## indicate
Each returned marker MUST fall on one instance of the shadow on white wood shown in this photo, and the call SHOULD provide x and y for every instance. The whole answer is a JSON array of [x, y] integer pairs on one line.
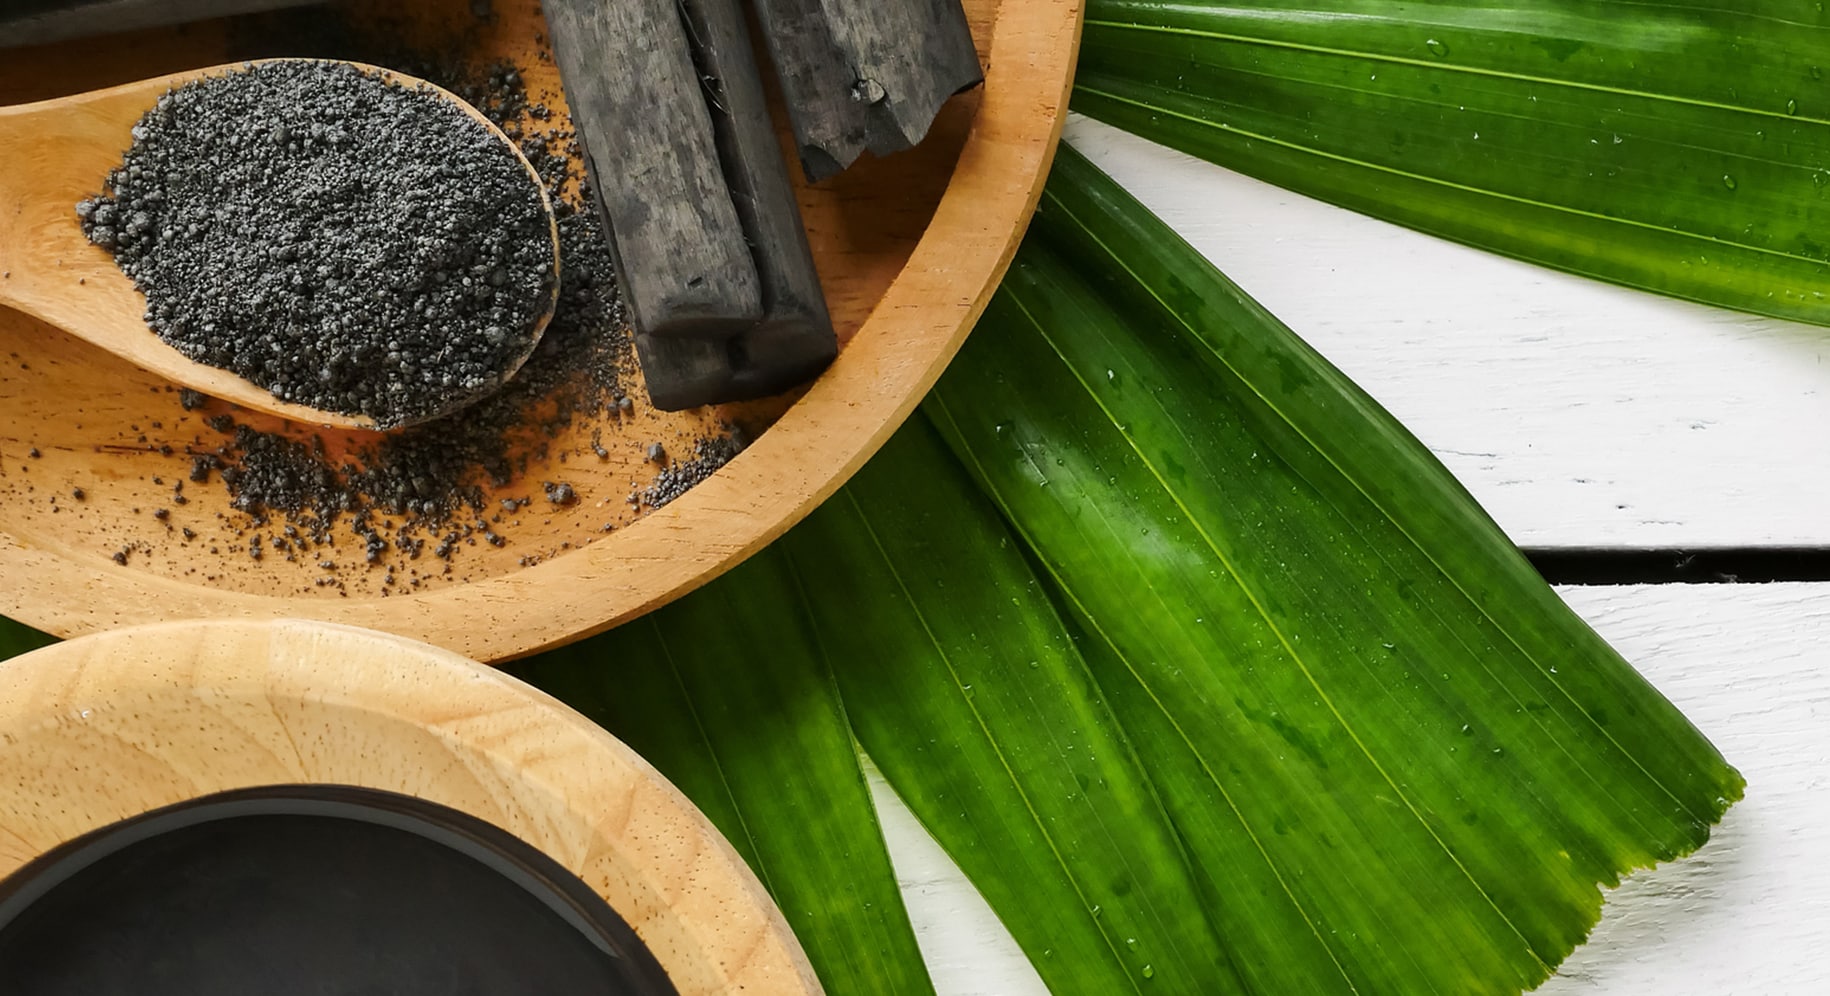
[[1578, 413]]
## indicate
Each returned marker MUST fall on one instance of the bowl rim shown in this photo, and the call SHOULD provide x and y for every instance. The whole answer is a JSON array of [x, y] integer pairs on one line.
[[160, 715], [845, 416]]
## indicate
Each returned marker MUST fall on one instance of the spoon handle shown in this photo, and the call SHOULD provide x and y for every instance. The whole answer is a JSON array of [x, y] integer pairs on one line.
[[58, 152]]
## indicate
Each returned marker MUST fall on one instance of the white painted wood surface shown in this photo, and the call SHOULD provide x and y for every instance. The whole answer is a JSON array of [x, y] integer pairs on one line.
[[1578, 413], [1748, 915]]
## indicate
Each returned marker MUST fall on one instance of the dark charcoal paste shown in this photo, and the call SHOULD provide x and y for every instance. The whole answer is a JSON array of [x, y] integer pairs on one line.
[[346, 242]]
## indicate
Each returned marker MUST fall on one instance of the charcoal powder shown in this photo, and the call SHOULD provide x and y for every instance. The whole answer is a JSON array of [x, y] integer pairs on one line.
[[346, 242]]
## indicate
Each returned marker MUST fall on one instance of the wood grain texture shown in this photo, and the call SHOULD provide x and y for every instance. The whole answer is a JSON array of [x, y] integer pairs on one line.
[[1578, 413], [1749, 664], [56, 151], [908, 247], [865, 75], [640, 109], [114, 725]]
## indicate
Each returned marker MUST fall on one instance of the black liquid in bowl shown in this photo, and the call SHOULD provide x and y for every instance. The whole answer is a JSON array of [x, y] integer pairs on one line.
[[311, 891]]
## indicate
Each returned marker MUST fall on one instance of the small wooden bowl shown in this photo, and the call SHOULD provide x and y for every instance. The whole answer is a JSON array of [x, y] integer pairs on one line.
[[112, 726], [909, 247]]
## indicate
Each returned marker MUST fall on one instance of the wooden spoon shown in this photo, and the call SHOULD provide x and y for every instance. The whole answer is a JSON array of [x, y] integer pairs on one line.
[[58, 152]]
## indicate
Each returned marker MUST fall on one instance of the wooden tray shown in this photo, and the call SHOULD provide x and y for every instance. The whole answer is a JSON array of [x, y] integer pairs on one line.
[[115, 725], [909, 247]]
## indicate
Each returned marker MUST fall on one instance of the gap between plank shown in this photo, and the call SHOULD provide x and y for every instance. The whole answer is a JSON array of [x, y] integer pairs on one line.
[[1671, 565]]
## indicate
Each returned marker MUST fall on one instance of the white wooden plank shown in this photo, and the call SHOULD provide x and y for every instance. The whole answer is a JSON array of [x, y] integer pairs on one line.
[[1578, 413], [969, 953], [1748, 914]]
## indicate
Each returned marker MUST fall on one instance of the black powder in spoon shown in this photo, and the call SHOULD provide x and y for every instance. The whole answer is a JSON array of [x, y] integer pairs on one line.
[[348, 243], [419, 499]]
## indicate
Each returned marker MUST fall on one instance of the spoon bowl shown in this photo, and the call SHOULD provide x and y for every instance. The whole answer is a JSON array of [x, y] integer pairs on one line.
[[60, 152]]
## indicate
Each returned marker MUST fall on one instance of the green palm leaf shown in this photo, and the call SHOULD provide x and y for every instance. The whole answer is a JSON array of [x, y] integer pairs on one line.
[[1241, 693], [1362, 707], [966, 689], [1678, 148]]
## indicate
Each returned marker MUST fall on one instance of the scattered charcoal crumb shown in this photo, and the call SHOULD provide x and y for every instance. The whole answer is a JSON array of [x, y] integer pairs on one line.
[[162, 514], [187, 533], [679, 476], [221, 423], [78, 493], [120, 556], [33, 453], [190, 400], [657, 453], [560, 494]]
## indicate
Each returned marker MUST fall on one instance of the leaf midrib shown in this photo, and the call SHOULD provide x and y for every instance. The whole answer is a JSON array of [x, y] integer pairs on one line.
[[1284, 640], [985, 730], [1450, 67], [724, 781], [940, 405], [1447, 184], [1273, 407]]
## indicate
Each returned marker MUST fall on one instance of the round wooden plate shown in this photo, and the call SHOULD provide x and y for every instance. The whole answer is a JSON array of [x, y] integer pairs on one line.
[[909, 248], [115, 725]]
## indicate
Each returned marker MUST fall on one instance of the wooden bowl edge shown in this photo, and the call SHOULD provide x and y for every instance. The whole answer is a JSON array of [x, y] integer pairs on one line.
[[570, 788]]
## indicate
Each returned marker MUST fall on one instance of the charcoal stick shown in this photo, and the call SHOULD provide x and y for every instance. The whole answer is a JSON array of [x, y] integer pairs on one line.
[[794, 340], [865, 75], [34, 22], [684, 373], [638, 105]]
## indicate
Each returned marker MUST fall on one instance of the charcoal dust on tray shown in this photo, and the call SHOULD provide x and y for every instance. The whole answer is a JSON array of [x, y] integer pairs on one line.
[[865, 75], [34, 22], [715, 268]]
